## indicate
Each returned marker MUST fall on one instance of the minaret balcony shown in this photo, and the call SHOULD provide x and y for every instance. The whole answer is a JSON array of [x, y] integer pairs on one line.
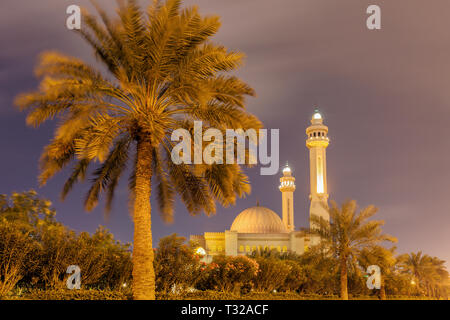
[[317, 142]]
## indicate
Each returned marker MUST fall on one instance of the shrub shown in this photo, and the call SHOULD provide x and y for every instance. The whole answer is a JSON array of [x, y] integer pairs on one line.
[[228, 274], [37, 249], [295, 278], [272, 274], [176, 265], [65, 294], [199, 295], [17, 250]]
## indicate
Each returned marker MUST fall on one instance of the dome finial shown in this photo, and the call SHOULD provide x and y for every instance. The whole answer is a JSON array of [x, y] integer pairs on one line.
[[317, 115], [287, 169]]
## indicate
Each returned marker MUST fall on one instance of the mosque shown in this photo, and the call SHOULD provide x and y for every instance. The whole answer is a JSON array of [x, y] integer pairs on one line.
[[259, 228]]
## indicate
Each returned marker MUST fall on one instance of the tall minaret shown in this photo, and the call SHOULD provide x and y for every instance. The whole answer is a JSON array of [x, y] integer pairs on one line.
[[287, 188], [317, 142]]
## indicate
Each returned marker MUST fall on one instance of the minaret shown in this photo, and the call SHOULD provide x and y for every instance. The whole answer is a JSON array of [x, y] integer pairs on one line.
[[287, 188], [317, 142]]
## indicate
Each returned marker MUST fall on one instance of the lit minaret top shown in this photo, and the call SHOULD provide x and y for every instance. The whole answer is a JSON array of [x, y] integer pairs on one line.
[[287, 188], [317, 142]]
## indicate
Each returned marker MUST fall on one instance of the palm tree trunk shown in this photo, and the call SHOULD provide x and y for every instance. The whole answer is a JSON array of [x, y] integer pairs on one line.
[[382, 289], [344, 290], [143, 272]]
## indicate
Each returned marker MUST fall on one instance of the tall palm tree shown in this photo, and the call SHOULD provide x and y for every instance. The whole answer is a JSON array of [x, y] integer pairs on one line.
[[162, 74], [382, 257], [347, 233]]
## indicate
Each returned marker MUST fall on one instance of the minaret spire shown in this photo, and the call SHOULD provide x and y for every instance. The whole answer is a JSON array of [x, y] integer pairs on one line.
[[317, 142], [287, 188]]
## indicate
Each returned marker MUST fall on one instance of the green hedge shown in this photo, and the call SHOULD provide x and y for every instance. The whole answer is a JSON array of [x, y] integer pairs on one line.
[[199, 295], [216, 295], [84, 294], [66, 294]]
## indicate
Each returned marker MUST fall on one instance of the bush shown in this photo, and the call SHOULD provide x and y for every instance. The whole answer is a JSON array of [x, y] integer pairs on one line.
[[228, 274], [61, 294], [35, 250], [199, 295], [272, 274], [217, 295], [16, 250], [176, 265]]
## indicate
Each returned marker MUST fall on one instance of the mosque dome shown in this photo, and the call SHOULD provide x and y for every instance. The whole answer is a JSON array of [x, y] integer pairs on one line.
[[258, 220]]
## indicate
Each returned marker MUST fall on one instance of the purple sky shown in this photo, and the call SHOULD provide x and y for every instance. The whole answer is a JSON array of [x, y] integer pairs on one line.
[[384, 95]]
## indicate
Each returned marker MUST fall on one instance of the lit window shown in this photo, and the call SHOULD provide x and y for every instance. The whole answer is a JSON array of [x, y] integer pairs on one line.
[[284, 249], [241, 249], [320, 187], [247, 248]]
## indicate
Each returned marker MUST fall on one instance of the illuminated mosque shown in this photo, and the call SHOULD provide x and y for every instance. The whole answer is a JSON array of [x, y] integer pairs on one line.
[[260, 228]]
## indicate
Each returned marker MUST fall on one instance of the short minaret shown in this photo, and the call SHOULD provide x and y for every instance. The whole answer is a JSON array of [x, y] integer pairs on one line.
[[287, 188], [317, 142]]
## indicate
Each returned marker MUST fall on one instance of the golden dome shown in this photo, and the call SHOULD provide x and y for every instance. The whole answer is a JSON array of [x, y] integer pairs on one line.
[[258, 220]]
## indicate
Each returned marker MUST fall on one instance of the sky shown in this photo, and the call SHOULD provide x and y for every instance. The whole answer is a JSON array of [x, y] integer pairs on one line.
[[383, 94]]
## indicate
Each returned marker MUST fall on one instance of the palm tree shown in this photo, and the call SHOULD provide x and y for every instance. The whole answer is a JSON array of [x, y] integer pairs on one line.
[[382, 257], [429, 273], [439, 277], [347, 234], [416, 265], [162, 74]]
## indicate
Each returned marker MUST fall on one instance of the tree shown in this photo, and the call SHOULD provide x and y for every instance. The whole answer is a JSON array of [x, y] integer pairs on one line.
[[272, 274], [347, 233], [35, 250], [417, 266], [382, 257], [428, 273], [320, 269], [17, 250], [163, 73], [176, 264]]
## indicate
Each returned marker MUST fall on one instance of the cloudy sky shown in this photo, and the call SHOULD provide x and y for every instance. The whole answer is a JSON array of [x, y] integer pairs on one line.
[[384, 95]]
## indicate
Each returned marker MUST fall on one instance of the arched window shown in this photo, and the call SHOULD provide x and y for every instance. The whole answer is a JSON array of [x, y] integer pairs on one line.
[[247, 249], [284, 249], [241, 248]]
